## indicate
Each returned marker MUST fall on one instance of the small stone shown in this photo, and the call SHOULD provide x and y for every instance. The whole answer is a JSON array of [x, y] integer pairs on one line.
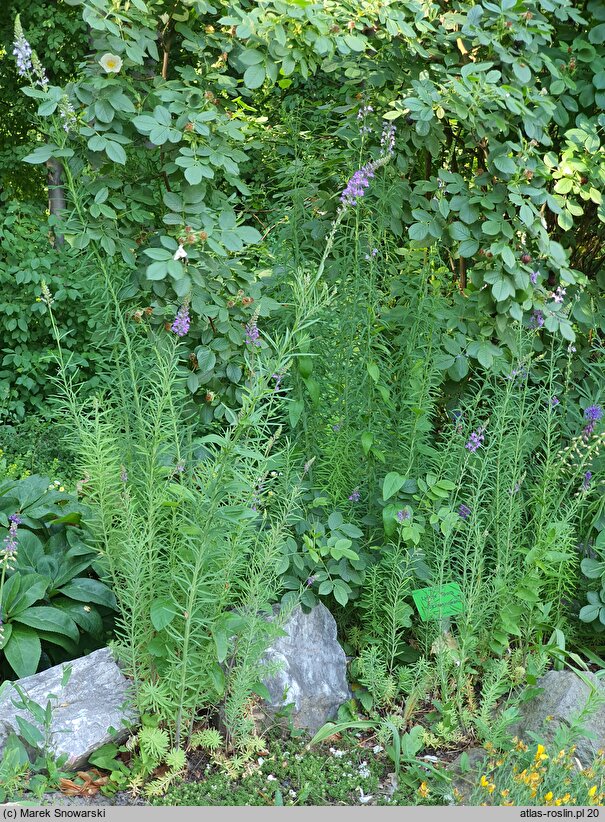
[[96, 698]]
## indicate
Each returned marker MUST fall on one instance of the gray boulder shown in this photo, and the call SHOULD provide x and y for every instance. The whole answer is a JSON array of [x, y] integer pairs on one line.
[[563, 698], [96, 698], [312, 673]]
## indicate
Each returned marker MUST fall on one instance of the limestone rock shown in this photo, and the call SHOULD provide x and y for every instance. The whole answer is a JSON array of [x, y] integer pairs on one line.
[[313, 669], [563, 698], [96, 698]]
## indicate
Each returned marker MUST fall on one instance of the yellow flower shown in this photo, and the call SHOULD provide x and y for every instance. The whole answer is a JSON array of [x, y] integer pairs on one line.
[[423, 790], [519, 744], [485, 783], [541, 754], [592, 791], [112, 63], [548, 796]]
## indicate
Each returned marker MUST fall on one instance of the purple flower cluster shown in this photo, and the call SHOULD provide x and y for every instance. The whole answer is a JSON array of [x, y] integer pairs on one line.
[[22, 51], [10, 541], [357, 185], [403, 515], [182, 321], [534, 277], [355, 496], [592, 415], [586, 480], [559, 294], [360, 181], [537, 319], [252, 333], [387, 140], [475, 440], [464, 511], [554, 401]]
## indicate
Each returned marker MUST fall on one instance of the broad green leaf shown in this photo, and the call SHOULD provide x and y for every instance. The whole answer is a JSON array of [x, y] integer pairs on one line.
[[47, 618], [391, 485], [89, 590], [254, 76], [115, 152], [23, 651]]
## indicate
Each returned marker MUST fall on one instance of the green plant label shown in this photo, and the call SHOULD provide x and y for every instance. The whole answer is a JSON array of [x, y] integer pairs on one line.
[[438, 603]]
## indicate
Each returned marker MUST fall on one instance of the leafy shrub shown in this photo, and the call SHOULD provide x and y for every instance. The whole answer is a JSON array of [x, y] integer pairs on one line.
[[52, 608], [27, 259]]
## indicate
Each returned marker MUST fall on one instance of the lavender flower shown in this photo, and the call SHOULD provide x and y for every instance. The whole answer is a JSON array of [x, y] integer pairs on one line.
[[22, 50], [475, 441], [403, 515], [252, 333], [586, 480], [356, 187], [559, 294], [10, 541], [592, 415], [464, 511], [355, 496], [554, 401], [537, 319], [309, 581], [363, 112], [387, 140], [278, 378], [182, 321], [534, 277]]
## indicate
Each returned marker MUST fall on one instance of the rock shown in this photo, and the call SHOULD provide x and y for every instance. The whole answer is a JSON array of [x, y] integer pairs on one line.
[[465, 772], [563, 698], [313, 669], [95, 699]]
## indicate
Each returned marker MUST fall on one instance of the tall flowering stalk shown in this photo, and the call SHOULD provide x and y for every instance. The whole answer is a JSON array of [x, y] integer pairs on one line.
[[357, 186], [28, 62], [8, 556]]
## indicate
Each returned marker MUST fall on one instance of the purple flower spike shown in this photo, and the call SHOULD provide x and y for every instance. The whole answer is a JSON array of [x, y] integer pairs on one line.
[[22, 51], [464, 511], [534, 277], [355, 496], [182, 322], [593, 413], [537, 319], [252, 334], [403, 515], [475, 441], [357, 185], [586, 480]]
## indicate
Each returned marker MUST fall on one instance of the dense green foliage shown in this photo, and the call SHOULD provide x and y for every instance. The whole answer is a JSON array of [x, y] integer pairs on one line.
[[317, 313]]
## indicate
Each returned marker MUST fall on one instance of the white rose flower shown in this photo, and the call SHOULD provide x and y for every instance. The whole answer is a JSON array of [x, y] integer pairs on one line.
[[112, 63]]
